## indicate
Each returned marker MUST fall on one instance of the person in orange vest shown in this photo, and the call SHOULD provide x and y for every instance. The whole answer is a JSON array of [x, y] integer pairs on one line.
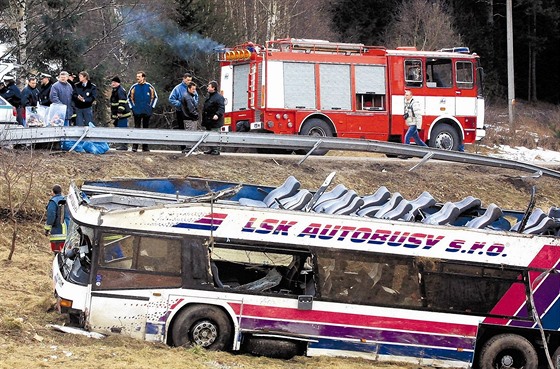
[[57, 219]]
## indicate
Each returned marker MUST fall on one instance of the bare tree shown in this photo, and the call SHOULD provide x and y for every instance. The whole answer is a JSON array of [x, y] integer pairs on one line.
[[18, 169], [425, 24]]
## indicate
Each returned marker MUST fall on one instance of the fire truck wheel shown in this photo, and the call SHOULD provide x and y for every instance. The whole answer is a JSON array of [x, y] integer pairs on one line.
[[202, 325], [318, 128], [508, 351], [445, 137]]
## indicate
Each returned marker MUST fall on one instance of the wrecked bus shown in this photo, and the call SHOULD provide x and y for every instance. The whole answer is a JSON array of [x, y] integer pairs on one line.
[[286, 271]]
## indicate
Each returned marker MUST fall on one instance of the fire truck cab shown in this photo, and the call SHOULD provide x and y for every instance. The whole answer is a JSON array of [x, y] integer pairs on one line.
[[322, 88]]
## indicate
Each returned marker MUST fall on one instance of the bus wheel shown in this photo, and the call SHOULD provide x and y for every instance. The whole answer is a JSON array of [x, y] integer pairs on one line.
[[316, 127], [445, 137], [202, 325], [508, 351], [556, 358]]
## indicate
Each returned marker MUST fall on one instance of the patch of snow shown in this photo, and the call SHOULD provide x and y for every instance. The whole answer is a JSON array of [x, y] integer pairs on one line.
[[524, 154]]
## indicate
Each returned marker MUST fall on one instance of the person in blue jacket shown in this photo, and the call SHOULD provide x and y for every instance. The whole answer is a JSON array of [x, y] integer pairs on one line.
[[57, 219], [175, 99], [142, 98]]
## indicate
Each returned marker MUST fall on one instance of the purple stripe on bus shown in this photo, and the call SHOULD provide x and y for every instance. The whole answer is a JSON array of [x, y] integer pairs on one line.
[[370, 334]]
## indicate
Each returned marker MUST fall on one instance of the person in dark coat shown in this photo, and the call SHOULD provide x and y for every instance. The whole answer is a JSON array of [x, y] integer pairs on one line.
[[12, 94], [120, 111], [213, 113], [45, 90], [29, 96], [85, 94]]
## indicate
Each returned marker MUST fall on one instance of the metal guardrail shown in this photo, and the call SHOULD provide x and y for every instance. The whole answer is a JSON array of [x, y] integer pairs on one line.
[[18, 135]]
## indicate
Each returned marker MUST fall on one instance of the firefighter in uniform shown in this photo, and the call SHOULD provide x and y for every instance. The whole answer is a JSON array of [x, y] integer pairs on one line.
[[57, 219]]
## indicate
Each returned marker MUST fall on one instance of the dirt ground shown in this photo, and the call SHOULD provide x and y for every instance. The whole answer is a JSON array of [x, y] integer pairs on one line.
[[26, 289]]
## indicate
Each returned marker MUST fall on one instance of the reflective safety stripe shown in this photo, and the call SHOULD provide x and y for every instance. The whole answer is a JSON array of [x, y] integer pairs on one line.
[[57, 237]]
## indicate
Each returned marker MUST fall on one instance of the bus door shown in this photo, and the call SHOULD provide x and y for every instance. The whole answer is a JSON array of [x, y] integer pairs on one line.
[[131, 284]]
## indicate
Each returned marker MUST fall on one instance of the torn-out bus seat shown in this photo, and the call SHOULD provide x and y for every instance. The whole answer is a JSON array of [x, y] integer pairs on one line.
[[492, 213], [424, 201], [351, 208], [336, 205], [379, 211], [540, 228], [287, 189], [295, 202], [380, 197], [270, 280], [329, 197], [398, 212], [467, 203], [535, 218], [216, 276], [447, 214]]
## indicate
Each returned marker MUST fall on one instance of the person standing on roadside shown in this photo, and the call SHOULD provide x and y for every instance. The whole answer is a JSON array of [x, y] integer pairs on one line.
[[413, 118], [61, 93], [120, 111], [142, 98], [29, 96], [213, 113], [189, 110], [45, 90], [85, 94], [175, 99], [57, 219], [12, 94]]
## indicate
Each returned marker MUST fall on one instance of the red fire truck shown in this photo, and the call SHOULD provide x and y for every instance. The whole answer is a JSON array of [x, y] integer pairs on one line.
[[321, 88]]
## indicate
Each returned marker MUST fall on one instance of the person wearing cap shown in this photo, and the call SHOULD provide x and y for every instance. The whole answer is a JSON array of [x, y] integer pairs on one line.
[[13, 95], [61, 93], [142, 98], [120, 111], [45, 89], [85, 94], [29, 96]]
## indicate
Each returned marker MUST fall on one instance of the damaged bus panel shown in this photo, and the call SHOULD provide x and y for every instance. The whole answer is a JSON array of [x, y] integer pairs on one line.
[[286, 271]]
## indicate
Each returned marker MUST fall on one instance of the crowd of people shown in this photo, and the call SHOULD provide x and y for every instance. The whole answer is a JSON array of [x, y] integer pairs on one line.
[[138, 103]]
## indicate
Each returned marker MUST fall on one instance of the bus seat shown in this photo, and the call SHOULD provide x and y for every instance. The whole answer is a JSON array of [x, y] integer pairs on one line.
[[329, 196], [351, 208], [425, 200], [540, 228], [334, 206], [378, 198], [447, 214], [535, 218], [492, 213], [295, 202], [287, 189], [393, 202], [216, 276], [399, 211], [467, 203]]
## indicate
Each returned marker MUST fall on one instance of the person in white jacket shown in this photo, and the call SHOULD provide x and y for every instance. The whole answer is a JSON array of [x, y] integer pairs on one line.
[[413, 118]]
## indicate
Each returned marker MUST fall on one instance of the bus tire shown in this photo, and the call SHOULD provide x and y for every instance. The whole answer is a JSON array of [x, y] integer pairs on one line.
[[445, 137], [316, 127], [202, 325], [508, 351], [272, 348]]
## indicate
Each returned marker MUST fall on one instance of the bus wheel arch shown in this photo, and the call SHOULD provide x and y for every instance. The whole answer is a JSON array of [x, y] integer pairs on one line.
[[317, 126], [207, 326], [508, 350], [446, 135]]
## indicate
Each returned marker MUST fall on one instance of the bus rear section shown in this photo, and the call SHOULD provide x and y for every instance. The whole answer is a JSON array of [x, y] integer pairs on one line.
[[227, 276]]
